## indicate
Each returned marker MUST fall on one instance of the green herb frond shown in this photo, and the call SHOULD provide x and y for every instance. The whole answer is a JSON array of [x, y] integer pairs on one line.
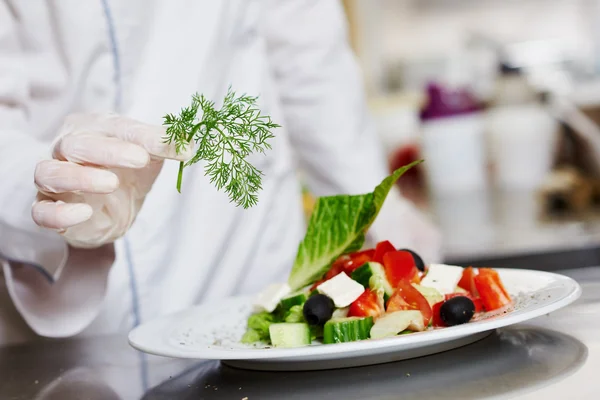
[[224, 138]]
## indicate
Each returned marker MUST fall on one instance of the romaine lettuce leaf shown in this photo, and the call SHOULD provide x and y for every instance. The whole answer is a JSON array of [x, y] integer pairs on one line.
[[338, 225]]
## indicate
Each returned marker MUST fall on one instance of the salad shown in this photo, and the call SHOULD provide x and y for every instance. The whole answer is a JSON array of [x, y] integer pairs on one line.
[[339, 292]]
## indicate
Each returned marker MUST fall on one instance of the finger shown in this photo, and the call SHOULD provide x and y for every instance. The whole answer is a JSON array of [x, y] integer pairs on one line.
[[59, 215], [108, 152], [150, 137], [53, 176]]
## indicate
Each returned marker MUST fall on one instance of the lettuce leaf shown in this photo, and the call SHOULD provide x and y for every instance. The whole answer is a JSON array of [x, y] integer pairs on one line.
[[295, 314], [261, 322], [258, 327], [252, 336], [337, 226]]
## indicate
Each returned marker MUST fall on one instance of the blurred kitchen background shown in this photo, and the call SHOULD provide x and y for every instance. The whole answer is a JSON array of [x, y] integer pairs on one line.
[[502, 100]]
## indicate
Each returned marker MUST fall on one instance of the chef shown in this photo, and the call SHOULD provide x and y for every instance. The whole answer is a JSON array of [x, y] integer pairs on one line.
[[109, 242]]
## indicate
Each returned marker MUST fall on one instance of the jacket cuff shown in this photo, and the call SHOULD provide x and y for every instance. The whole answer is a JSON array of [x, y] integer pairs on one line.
[[66, 307]]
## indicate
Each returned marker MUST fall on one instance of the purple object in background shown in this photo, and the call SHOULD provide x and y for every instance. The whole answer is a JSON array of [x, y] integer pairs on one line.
[[443, 103], [453, 141]]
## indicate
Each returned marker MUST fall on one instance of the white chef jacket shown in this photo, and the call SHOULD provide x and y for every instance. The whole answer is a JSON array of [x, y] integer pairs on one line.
[[144, 58]]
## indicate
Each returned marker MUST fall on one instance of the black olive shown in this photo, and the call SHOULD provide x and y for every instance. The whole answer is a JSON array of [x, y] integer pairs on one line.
[[418, 260], [318, 309], [458, 310]]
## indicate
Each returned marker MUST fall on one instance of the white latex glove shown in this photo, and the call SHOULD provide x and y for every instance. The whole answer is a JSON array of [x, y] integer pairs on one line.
[[101, 169]]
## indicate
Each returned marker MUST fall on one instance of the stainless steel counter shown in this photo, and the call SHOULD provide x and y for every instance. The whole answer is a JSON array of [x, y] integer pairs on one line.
[[552, 357]]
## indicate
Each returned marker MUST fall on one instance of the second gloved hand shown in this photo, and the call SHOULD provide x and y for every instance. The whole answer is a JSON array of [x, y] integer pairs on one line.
[[102, 168]]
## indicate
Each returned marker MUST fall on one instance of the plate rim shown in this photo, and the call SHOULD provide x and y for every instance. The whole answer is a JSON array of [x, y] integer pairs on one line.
[[290, 354]]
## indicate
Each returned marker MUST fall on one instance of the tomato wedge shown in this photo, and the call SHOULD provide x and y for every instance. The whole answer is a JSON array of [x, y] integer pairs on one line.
[[368, 304], [406, 297], [400, 266], [437, 322], [476, 300], [346, 263], [466, 281], [337, 267], [359, 259], [317, 283], [491, 290], [381, 249]]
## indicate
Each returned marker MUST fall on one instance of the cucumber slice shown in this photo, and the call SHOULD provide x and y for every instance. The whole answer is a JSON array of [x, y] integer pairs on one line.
[[287, 334], [362, 274], [372, 275], [316, 332], [296, 299], [393, 323], [349, 329], [432, 295]]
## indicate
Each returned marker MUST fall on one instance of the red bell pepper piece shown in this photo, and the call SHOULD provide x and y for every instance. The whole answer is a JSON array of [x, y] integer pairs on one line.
[[491, 291], [466, 281], [494, 274]]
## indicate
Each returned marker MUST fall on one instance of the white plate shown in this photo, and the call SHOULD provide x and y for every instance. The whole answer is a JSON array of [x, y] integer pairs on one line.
[[212, 331]]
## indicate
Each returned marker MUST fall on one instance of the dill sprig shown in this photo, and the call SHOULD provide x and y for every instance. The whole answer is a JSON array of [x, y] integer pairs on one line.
[[224, 138]]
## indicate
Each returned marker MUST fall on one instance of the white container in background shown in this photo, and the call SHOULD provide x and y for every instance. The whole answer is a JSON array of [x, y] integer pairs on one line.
[[522, 140], [454, 151]]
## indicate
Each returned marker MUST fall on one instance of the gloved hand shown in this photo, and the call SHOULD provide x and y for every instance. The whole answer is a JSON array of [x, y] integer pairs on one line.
[[101, 169]]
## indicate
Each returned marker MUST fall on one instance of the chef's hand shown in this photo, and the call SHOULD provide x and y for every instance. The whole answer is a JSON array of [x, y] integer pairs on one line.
[[101, 169]]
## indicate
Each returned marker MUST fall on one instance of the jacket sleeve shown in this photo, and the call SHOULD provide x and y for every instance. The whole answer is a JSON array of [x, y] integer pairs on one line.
[[320, 87], [20, 239]]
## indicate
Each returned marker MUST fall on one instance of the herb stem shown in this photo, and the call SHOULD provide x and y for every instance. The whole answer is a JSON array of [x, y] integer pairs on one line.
[[180, 177], [194, 130]]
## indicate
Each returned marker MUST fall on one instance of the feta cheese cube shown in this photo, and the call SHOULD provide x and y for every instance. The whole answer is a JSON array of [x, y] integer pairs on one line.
[[342, 289], [268, 299], [443, 278]]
